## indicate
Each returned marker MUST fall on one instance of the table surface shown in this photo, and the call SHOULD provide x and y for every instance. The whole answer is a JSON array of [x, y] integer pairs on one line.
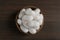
[[8, 12]]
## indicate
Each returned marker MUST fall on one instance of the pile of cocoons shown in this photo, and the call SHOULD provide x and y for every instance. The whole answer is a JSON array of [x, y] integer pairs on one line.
[[30, 20]]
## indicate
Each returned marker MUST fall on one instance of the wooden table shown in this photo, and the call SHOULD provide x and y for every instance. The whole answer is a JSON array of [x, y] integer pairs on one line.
[[9, 9]]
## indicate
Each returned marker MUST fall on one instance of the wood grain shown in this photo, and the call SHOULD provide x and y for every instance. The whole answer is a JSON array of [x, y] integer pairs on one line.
[[9, 9]]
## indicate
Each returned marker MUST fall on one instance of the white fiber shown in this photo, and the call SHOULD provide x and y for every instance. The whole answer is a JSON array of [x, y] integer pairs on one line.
[[19, 21], [32, 31], [22, 12], [31, 20], [25, 30]]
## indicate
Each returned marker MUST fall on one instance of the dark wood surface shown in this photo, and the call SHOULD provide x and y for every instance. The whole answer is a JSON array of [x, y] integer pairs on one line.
[[9, 9]]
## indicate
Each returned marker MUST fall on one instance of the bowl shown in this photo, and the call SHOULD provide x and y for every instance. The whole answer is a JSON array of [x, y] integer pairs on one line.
[[18, 26]]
